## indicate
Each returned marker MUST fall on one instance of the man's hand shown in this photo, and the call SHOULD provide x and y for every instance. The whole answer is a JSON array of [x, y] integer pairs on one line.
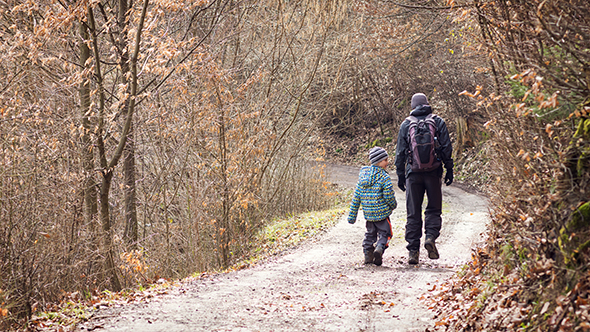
[[449, 176], [401, 182]]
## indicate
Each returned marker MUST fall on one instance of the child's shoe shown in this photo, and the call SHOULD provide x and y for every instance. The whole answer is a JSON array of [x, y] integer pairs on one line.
[[378, 253], [413, 257], [369, 257]]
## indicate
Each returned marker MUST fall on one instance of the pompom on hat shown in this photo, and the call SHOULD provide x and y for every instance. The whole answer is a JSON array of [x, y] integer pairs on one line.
[[377, 154]]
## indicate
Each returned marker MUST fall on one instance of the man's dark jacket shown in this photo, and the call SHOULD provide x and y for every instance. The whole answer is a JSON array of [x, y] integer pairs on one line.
[[445, 152]]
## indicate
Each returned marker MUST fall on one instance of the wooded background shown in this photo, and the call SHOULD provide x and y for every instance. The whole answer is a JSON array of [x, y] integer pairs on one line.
[[152, 139], [145, 140]]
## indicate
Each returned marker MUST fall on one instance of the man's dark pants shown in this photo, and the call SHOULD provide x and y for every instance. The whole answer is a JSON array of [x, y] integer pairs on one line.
[[417, 184]]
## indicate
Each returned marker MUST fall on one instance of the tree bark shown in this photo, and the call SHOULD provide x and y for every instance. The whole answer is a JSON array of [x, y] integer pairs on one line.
[[89, 184], [130, 234], [107, 229], [223, 227]]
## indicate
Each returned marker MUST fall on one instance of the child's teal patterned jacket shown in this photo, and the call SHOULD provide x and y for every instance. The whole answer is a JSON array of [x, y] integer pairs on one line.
[[374, 192]]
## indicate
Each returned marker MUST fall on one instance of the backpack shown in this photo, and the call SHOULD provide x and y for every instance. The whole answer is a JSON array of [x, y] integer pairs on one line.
[[423, 144]]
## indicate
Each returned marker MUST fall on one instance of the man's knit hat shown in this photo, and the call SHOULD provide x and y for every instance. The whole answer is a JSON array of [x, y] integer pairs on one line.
[[377, 154], [419, 99]]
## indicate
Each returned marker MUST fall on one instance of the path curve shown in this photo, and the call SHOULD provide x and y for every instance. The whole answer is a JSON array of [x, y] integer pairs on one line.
[[320, 286]]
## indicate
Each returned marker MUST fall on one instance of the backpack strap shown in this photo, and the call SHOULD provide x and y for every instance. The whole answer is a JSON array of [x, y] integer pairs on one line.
[[432, 117], [429, 119]]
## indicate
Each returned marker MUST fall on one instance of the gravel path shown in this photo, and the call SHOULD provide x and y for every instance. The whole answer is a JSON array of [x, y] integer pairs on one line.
[[321, 285]]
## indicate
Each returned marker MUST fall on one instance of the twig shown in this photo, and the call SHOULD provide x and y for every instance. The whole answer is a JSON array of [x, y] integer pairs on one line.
[[431, 8]]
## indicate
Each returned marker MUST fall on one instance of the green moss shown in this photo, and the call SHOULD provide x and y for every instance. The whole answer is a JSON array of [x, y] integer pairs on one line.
[[379, 142], [581, 217], [583, 135], [402, 104], [573, 236], [583, 129], [507, 254], [517, 89], [586, 127]]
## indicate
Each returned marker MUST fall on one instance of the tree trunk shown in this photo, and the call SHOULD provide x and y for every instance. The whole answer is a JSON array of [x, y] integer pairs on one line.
[[109, 249], [128, 66], [224, 224], [130, 234], [464, 138], [89, 184]]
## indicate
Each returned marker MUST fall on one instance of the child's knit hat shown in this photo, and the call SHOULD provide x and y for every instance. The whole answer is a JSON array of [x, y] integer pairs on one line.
[[377, 154]]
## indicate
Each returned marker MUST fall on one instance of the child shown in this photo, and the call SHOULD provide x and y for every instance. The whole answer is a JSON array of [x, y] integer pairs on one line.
[[374, 192]]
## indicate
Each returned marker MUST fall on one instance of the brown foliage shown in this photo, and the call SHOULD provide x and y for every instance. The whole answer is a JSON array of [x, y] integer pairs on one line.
[[385, 54], [211, 94], [528, 276]]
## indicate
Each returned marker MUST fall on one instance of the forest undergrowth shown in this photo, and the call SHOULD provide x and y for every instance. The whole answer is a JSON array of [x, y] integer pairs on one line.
[[532, 273], [278, 236]]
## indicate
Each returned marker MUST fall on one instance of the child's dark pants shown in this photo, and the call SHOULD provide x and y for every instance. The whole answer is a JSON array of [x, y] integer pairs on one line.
[[377, 231]]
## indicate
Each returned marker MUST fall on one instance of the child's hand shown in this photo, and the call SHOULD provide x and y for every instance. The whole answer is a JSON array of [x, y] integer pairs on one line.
[[350, 221]]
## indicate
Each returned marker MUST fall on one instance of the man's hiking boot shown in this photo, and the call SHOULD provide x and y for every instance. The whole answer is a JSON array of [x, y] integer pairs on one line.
[[431, 248], [378, 253], [413, 257], [369, 257]]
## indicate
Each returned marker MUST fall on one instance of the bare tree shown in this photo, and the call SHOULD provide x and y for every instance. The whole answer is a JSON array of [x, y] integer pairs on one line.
[[202, 110]]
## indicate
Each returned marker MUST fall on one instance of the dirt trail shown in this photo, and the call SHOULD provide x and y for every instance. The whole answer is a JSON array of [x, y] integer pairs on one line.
[[321, 285]]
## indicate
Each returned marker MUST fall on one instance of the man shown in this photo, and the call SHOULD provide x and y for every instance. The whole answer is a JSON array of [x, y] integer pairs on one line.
[[416, 181]]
